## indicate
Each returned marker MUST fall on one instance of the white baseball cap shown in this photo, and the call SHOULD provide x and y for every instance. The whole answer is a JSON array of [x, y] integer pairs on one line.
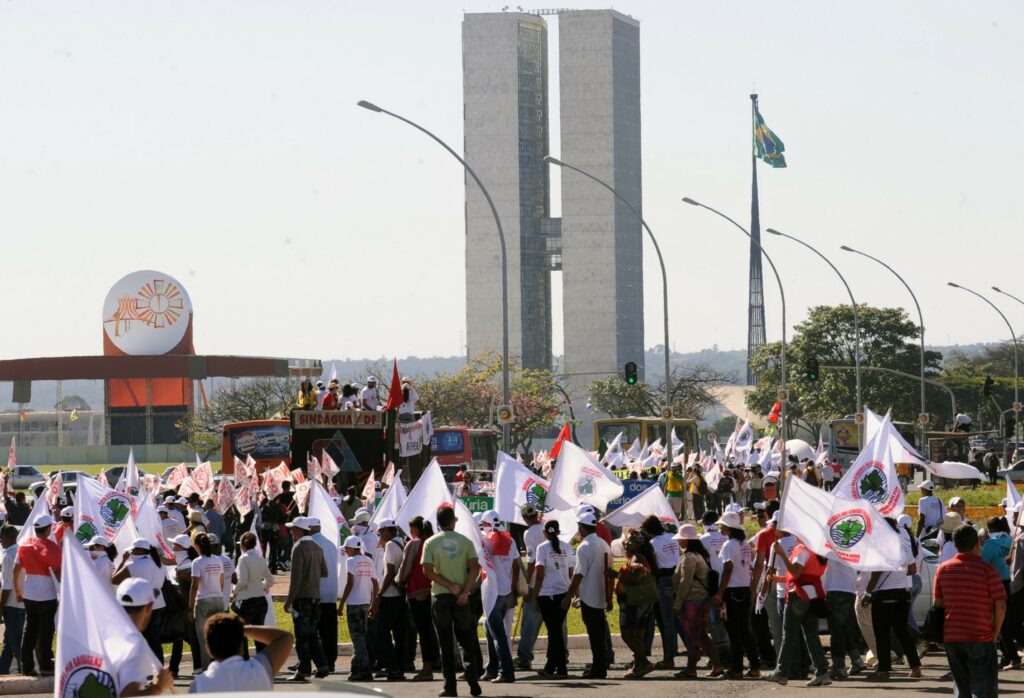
[[141, 544], [98, 540], [354, 542], [953, 501], [182, 540], [734, 507], [135, 591], [361, 516], [587, 518], [162, 510], [927, 485], [43, 521], [301, 523], [904, 521], [312, 521], [491, 518], [386, 523], [67, 512]]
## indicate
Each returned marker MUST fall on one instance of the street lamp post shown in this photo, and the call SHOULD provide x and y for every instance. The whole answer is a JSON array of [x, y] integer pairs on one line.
[[856, 318], [664, 292], [920, 317], [1016, 364], [506, 428], [782, 294]]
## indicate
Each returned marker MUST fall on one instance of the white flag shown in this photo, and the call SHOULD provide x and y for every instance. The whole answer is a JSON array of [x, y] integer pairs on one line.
[[147, 523], [902, 452], [28, 528], [12, 459], [389, 475], [370, 489], [1012, 495], [100, 510], [872, 476], [99, 649], [613, 454], [677, 445], [426, 497], [953, 471], [329, 467], [580, 478], [853, 531], [331, 520], [651, 501], [129, 480], [465, 525], [744, 438], [634, 450], [391, 503], [516, 485]]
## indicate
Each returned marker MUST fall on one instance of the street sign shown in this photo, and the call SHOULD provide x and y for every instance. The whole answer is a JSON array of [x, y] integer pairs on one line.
[[712, 437], [505, 414], [859, 418], [666, 412], [1016, 407], [923, 418], [782, 395]]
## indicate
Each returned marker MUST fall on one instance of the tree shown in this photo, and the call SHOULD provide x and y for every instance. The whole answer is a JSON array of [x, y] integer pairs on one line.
[[888, 340], [73, 402], [691, 393], [470, 397], [251, 399]]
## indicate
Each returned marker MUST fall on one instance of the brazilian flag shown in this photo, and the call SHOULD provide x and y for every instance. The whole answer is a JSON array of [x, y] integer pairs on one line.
[[769, 146]]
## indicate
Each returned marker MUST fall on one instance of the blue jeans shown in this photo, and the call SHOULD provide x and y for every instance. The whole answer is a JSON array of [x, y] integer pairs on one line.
[[842, 628], [358, 622], [499, 651], [14, 624], [529, 628], [915, 588], [306, 616], [800, 624], [666, 614], [973, 664]]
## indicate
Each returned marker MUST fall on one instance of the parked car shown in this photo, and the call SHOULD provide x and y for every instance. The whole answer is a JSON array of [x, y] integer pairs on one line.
[[22, 476], [114, 474], [1015, 472], [69, 477]]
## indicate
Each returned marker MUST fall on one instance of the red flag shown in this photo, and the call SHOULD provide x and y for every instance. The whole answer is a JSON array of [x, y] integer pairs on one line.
[[395, 398], [563, 435]]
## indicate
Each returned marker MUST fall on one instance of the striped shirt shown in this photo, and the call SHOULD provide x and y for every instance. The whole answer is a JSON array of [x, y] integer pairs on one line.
[[967, 587]]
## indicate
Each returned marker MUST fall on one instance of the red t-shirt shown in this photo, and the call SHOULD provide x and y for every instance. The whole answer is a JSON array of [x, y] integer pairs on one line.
[[765, 540], [59, 530], [330, 401], [967, 587], [604, 533], [810, 576]]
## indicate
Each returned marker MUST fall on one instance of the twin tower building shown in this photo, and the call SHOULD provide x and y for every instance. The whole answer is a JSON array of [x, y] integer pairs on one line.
[[596, 242]]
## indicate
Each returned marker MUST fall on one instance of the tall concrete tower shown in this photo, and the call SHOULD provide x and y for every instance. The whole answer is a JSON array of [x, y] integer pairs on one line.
[[597, 241]]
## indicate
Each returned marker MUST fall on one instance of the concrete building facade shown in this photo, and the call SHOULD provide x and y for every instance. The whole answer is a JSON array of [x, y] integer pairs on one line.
[[597, 241]]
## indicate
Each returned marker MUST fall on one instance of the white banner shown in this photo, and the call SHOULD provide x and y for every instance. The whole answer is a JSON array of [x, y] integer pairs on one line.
[[872, 476], [580, 478], [410, 438], [650, 501]]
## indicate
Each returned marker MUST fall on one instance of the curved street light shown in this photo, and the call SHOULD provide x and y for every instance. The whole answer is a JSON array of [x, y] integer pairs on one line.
[[782, 293], [856, 317], [1016, 365], [506, 428]]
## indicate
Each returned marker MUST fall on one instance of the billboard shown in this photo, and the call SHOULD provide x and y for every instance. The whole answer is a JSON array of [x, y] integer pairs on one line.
[[147, 313]]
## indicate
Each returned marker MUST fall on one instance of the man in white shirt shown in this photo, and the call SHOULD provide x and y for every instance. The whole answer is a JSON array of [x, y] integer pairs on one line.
[[713, 540], [229, 671], [929, 508], [134, 672], [13, 610], [529, 625], [368, 395], [253, 581], [360, 590], [327, 627], [169, 525], [840, 582], [593, 586], [388, 607], [504, 556], [666, 557]]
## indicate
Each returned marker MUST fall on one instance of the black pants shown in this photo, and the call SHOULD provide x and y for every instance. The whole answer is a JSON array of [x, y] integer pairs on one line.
[[762, 633], [327, 629], [889, 609], [152, 634], [554, 616], [420, 611], [307, 642], [737, 624], [1010, 631], [391, 620], [455, 623], [596, 622], [476, 611], [254, 612], [273, 550], [38, 637], [1014, 622]]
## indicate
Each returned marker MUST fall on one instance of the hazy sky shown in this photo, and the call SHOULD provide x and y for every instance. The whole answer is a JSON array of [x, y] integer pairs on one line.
[[220, 142]]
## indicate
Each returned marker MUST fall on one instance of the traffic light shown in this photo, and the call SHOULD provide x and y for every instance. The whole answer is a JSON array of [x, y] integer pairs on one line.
[[630, 372], [987, 390], [1009, 425], [811, 369]]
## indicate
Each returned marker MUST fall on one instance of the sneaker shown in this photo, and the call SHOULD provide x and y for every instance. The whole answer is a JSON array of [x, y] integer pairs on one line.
[[752, 674], [840, 674], [858, 667], [523, 664], [504, 679], [643, 670], [819, 680], [777, 678]]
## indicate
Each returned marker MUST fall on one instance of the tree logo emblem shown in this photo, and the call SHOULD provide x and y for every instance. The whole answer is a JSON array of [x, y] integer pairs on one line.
[[848, 530], [536, 494], [115, 508], [871, 483], [586, 485], [87, 679], [86, 531]]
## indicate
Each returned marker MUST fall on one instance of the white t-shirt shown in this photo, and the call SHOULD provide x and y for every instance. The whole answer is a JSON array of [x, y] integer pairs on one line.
[[713, 542], [787, 543], [140, 666], [229, 569], [207, 570], [410, 406], [839, 576], [104, 566], [361, 569], [235, 674], [390, 555], [556, 568], [739, 555], [502, 563], [933, 510], [532, 538], [898, 579], [591, 562], [666, 551], [370, 395], [328, 584], [947, 551], [170, 527], [143, 567], [10, 559]]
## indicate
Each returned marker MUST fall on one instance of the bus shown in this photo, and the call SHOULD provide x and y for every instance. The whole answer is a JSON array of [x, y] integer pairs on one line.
[[268, 441], [453, 447], [844, 438], [646, 429]]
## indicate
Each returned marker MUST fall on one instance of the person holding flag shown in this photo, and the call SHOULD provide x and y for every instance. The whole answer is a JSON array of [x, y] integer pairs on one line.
[[39, 559], [135, 673]]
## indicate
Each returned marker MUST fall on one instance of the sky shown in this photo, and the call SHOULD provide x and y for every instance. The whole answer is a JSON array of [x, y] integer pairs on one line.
[[220, 143]]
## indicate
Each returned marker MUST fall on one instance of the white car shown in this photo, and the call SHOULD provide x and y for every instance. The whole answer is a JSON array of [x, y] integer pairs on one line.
[[22, 476], [1014, 472]]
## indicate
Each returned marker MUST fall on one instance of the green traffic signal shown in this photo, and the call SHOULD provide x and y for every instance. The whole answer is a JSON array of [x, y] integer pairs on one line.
[[630, 372]]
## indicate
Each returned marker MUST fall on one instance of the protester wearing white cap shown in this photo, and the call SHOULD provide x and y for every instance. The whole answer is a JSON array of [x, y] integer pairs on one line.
[[360, 591], [206, 595], [253, 581], [134, 671], [361, 527], [327, 627], [65, 524], [142, 563], [929, 508], [553, 568], [98, 547], [504, 556], [39, 558], [368, 395], [388, 605], [303, 602], [594, 589], [734, 592], [692, 584], [13, 609]]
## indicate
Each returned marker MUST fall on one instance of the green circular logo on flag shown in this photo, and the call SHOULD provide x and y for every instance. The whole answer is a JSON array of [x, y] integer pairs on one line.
[[115, 508], [847, 530], [86, 531]]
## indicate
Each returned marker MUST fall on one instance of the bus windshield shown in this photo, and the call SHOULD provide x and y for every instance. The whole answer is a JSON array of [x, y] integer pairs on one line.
[[609, 430], [447, 443], [260, 442]]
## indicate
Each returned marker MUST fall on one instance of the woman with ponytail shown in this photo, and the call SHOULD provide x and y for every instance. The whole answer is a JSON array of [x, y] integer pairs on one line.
[[552, 571]]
